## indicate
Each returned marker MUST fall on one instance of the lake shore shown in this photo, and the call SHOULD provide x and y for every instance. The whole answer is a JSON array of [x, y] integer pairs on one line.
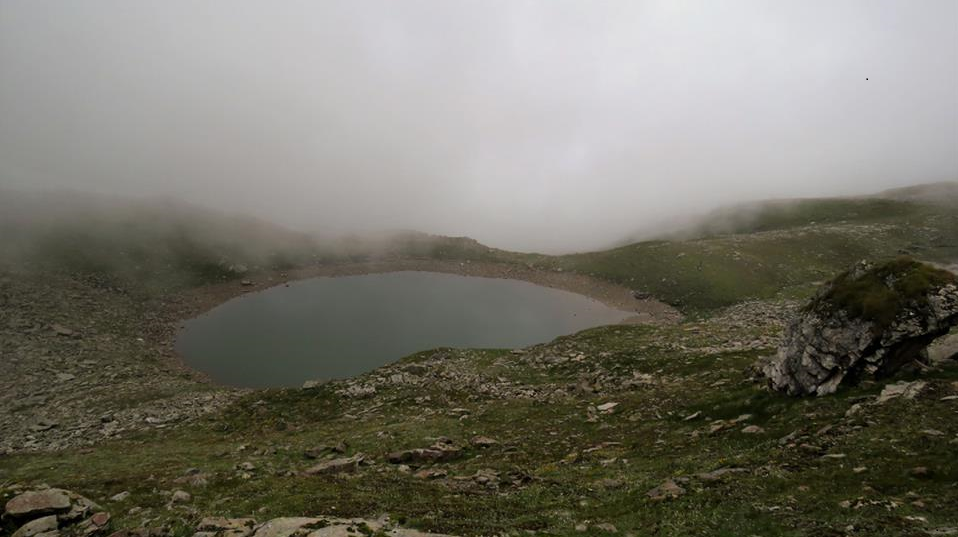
[[644, 311]]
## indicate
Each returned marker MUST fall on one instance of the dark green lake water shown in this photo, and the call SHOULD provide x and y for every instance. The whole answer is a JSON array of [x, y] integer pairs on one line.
[[326, 328]]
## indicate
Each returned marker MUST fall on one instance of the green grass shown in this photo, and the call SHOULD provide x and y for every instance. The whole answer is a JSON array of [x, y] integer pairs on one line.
[[788, 490], [783, 257], [556, 450], [882, 292]]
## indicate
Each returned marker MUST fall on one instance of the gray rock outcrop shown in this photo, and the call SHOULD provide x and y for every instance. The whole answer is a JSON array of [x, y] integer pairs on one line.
[[867, 323], [45, 512]]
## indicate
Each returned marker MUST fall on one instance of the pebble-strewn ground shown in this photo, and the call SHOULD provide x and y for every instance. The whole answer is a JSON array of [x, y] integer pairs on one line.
[[628, 430], [80, 364]]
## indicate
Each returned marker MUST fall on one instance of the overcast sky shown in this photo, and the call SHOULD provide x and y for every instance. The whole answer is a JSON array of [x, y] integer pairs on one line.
[[546, 125]]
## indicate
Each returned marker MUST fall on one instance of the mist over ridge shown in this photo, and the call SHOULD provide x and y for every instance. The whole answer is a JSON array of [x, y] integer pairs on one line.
[[551, 127]]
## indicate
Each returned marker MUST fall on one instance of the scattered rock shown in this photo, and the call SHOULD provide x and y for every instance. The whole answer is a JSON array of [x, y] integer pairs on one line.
[[666, 491], [431, 473], [313, 384], [317, 452], [141, 532], [336, 466], [227, 527], [919, 471], [716, 475], [483, 441], [100, 519], [181, 496], [61, 330], [905, 390], [40, 525], [607, 407], [436, 453], [43, 425], [284, 527]]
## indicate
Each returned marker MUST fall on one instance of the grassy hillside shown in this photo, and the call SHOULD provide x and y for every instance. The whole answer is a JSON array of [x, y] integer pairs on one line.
[[147, 246], [783, 250], [776, 249], [160, 246]]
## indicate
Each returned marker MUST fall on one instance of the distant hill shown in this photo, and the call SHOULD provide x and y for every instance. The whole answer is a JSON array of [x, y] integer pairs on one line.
[[777, 248], [768, 215], [762, 250], [157, 244], [944, 193]]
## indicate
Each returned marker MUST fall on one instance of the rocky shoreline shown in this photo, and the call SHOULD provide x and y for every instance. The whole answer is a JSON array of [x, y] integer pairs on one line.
[[646, 310]]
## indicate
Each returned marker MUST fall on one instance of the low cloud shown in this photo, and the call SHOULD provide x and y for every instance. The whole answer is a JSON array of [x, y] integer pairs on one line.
[[531, 125]]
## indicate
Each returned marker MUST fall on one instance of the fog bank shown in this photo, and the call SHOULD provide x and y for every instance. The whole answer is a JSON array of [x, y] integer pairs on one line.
[[528, 125]]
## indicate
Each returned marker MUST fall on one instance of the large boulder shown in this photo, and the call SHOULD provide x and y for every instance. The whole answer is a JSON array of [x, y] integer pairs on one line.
[[37, 503], [42, 513], [866, 323]]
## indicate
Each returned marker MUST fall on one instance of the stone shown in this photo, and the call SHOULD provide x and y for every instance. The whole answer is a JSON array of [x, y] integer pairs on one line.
[[43, 425], [753, 429], [400, 532], [227, 527], [716, 475], [666, 491], [316, 452], [313, 384], [100, 519], [609, 483], [284, 527], [38, 503], [840, 338], [905, 390], [61, 330], [431, 474], [181, 496], [919, 471], [120, 496], [141, 532], [483, 441], [193, 480], [944, 349], [336, 466], [35, 527], [79, 509], [436, 453], [607, 407]]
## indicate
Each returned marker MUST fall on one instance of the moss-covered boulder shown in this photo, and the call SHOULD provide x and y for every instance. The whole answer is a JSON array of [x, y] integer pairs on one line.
[[866, 323]]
